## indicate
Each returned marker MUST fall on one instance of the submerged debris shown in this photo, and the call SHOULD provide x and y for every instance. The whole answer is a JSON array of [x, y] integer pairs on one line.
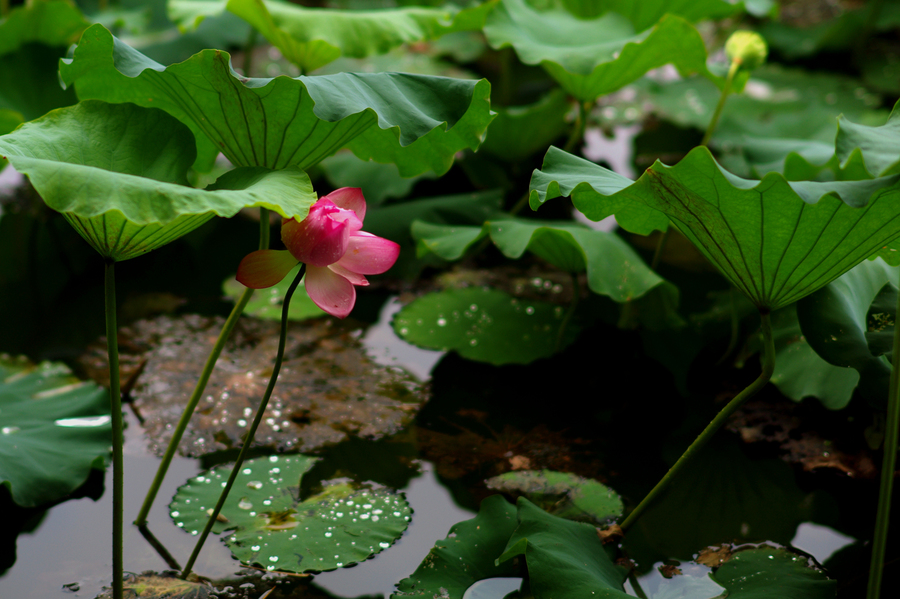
[[328, 389]]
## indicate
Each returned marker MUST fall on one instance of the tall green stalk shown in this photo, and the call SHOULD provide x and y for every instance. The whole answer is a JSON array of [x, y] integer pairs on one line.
[[200, 387], [879, 543], [768, 367], [714, 121], [248, 440], [118, 441]]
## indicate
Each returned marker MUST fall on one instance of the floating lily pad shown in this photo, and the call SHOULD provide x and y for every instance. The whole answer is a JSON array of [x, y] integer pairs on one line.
[[417, 122], [55, 429], [485, 325], [773, 573], [466, 556], [593, 57], [775, 240], [270, 527], [328, 388], [313, 37], [562, 494]]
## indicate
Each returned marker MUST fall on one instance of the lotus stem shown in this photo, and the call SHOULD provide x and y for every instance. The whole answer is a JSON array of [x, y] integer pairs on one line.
[[115, 406], [200, 387], [248, 52], [879, 543], [255, 425], [768, 367], [570, 311], [729, 80], [580, 124]]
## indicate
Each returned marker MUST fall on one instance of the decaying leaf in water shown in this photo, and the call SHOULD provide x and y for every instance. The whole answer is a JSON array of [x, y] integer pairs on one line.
[[714, 557], [328, 389], [149, 585]]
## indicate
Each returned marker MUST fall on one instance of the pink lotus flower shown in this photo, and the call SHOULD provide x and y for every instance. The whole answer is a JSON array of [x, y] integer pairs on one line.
[[336, 252]]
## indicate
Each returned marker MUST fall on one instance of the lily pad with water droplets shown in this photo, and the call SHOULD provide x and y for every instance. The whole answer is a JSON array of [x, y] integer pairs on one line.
[[485, 325], [774, 573], [267, 524], [562, 494], [55, 429], [328, 389]]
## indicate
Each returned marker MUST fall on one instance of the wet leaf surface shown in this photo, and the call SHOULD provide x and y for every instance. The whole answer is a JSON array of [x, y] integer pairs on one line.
[[562, 494], [328, 388], [271, 528]]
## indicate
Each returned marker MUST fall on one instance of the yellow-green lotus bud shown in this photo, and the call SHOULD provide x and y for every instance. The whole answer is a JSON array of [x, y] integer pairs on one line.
[[747, 48]]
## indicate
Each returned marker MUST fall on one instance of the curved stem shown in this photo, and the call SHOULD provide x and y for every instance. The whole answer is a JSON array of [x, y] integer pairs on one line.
[[256, 420], [879, 543], [200, 387], [768, 367], [248, 52], [729, 80], [115, 406]]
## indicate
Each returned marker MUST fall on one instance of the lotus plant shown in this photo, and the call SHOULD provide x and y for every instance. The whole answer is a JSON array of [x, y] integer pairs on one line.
[[337, 253]]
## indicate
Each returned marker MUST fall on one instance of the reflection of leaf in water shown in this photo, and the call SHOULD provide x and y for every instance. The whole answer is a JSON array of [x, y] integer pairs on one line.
[[327, 390]]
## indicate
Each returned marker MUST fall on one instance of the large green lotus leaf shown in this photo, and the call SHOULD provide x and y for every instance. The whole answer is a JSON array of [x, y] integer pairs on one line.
[[767, 572], [52, 23], [484, 325], [800, 372], [594, 57], [416, 122], [269, 526], [55, 430], [834, 323], [562, 494], [596, 192], [880, 146], [466, 556], [313, 37], [32, 40], [117, 173], [645, 14], [777, 241], [520, 131], [565, 559]]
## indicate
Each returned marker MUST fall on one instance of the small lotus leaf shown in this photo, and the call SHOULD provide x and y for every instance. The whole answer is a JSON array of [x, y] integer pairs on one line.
[[466, 556], [313, 37], [562, 494], [880, 146], [773, 573], [417, 122], [55, 430], [485, 325], [565, 559], [800, 372], [777, 241], [269, 526], [593, 57], [834, 321], [267, 303], [117, 172]]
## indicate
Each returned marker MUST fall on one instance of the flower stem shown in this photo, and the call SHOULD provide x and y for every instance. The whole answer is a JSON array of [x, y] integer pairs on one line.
[[115, 406], [252, 432], [879, 543], [580, 124], [200, 387], [768, 367], [224, 334], [729, 80]]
